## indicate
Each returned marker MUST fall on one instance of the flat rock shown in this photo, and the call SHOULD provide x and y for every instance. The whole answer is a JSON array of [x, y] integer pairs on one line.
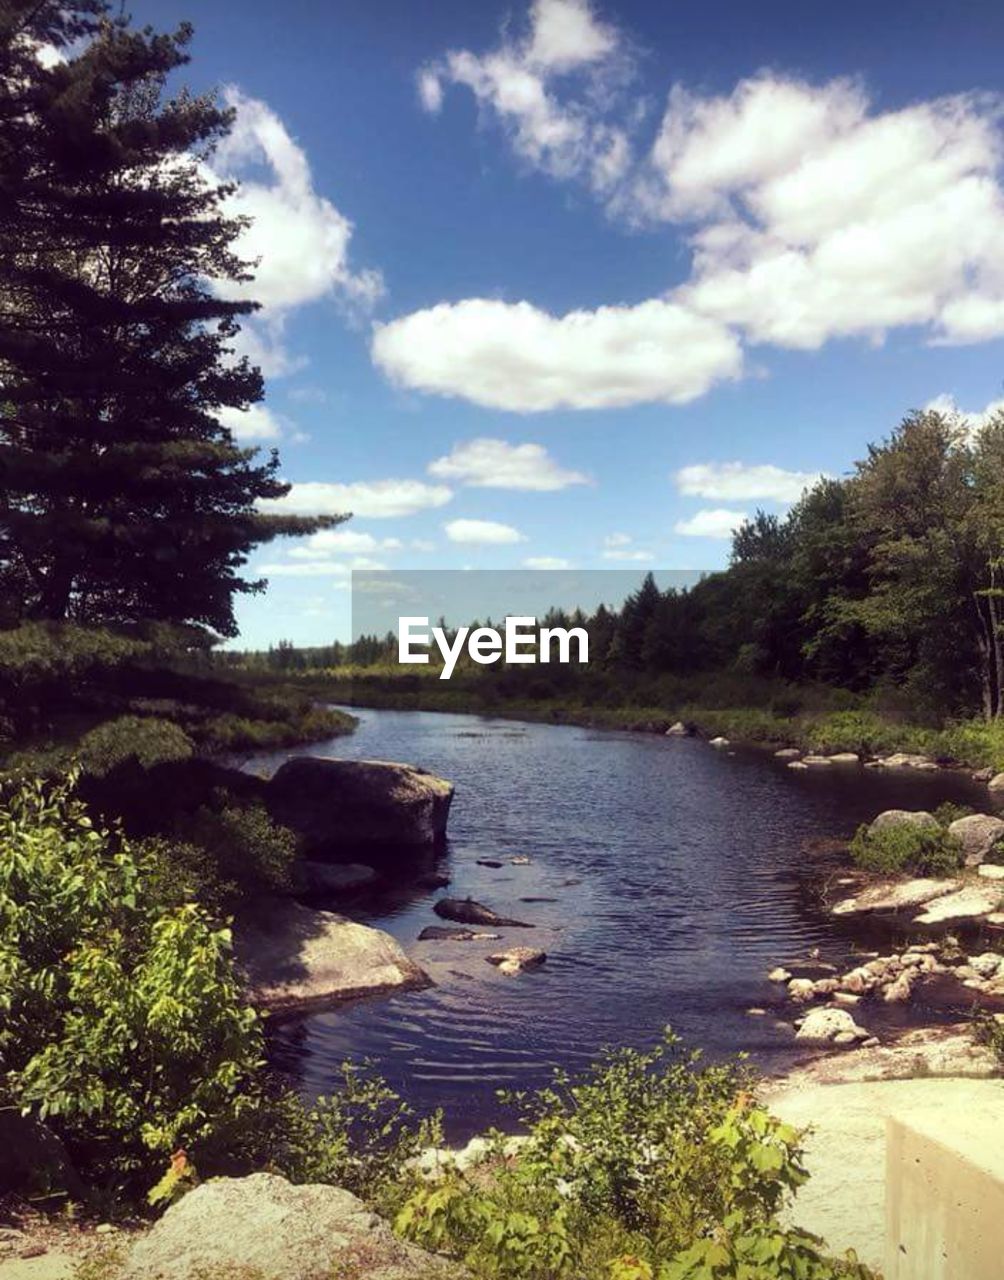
[[996, 783], [845, 757], [296, 958], [797, 764], [895, 895], [991, 871], [788, 753], [904, 818], [816, 761], [445, 933], [517, 959], [906, 760], [978, 833], [467, 911], [339, 808], [826, 1026], [968, 903], [264, 1226]]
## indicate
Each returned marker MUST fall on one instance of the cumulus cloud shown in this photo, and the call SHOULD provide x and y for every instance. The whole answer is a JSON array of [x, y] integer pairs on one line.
[[740, 481], [546, 562], [974, 419], [517, 357], [713, 523], [328, 542], [551, 89], [810, 212], [482, 532], [299, 240], [374, 499], [318, 568], [495, 464], [255, 423]]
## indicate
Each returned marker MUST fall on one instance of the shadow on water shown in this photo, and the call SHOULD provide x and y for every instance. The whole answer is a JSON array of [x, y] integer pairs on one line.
[[665, 879]]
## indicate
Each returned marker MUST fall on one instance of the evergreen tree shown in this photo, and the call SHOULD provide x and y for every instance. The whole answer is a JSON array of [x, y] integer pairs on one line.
[[122, 497]]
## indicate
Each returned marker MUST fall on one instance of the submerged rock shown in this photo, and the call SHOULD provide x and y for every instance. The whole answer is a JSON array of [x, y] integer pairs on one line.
[[296, 958], [788, 753], [340, 807], [978, 833], [333, 878], [264, 1226], [488, 862], [516, 959], [467, 911], [444, 933]]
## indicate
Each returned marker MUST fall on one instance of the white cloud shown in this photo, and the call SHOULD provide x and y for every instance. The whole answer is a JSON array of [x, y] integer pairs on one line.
[[496, 464], [811, 213], [546, 562], [566, 44], [300, 240], [974, 419], [328, 542], [739, 481], [617, 540], [318, 568], [482, 532], [514, 356], [255, 423], [714, 523], [374, 499], [620, 546]]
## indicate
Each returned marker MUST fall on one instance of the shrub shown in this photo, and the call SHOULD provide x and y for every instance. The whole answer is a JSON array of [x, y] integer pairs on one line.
[[948, 812], [652, 1166], [244, 851], [145, 741], [899, 849], [121, 1023]]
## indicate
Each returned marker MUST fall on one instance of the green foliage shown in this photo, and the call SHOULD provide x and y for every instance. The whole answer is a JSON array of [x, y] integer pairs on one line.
[[903, 849], [989, 1030], [148, 742], [948, 812], [122, 1024], [244, 851], [759, 1251], [648, 1167]]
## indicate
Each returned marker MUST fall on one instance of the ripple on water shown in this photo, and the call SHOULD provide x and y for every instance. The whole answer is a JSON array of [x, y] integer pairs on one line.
[[678, 873]]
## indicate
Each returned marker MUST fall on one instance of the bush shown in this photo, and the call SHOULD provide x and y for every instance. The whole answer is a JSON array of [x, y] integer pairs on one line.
[[145, 741], [652, 1166], [947, 812], [122, 1023], [244, 851], [900, 849]]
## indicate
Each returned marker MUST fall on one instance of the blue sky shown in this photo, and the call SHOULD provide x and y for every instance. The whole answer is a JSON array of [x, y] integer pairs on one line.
[[583, 283]]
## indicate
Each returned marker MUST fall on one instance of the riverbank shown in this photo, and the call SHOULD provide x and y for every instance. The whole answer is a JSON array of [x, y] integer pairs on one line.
[[813, 719]]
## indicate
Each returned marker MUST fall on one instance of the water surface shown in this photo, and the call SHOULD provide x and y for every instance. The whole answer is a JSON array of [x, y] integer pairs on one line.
[[679, 875]]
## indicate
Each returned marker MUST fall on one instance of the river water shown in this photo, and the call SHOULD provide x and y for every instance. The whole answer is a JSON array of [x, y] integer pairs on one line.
[[676, 875]]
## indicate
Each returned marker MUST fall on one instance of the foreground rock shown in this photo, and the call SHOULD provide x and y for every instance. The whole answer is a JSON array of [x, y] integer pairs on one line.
[[467, 911], [264, 1226], [296, 958], [830, 1026], [341, 808], [978, 833], [517, 959], [894, 895]]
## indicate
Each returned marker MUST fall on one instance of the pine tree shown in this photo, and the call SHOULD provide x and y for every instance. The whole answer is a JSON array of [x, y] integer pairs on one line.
[[122, 497]]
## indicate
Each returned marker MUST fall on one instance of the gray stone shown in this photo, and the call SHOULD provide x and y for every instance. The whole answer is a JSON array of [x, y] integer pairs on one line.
[[904, 818], [721, 742], [906, 760], [845, 757], [264, 1226], [334, 878], [678, 730], [340, 808], [967, 904], [977, 834], [823, 1026], [297, 958], [467, 911], [788, 753], [517, 959], [894, 895], [996, 783], [991, 871]]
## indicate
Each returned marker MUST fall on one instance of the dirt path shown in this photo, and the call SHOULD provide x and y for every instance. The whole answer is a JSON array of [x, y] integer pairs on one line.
[[844, 1202]]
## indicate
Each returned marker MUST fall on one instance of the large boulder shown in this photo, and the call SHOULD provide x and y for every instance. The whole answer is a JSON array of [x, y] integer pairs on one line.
[[265, 1227], [977, 834], [297, 959], [830, 1026], [341, 808], [919, 818]]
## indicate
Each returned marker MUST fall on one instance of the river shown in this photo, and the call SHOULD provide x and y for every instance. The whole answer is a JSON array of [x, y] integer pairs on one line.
[[668, 876]]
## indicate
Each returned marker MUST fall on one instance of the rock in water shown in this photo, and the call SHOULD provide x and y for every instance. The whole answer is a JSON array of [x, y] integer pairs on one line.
[[340, 808], [334, 878], [678, 730], [516, 959], [297, 959], [264, 1226], [467, 911], [444, 933], [978, 834]]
